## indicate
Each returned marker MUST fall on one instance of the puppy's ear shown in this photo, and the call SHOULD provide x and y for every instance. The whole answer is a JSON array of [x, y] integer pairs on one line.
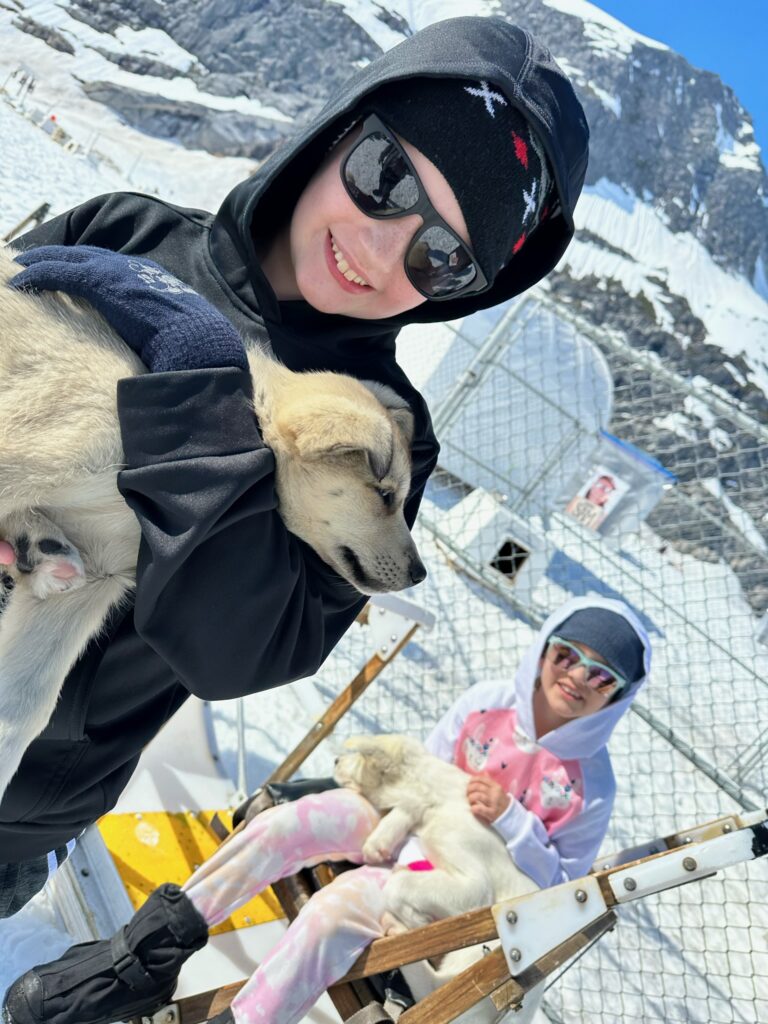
[[364, 744], [332, 426], [395, 405]]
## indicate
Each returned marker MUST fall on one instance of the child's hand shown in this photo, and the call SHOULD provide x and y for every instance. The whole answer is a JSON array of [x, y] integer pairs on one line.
[[487, 799]]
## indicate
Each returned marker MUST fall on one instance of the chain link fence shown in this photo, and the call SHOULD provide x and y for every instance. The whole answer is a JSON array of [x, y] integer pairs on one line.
[[573, 464]]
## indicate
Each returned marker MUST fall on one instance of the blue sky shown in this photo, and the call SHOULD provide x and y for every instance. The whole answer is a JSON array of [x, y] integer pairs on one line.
[[729, 37]]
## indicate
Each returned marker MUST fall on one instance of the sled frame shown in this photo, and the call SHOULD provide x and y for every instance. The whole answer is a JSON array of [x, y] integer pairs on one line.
[[577, 912]]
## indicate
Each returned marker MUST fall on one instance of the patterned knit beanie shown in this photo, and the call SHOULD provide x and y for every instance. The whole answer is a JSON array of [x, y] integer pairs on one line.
[[611, 636], [485, 149]]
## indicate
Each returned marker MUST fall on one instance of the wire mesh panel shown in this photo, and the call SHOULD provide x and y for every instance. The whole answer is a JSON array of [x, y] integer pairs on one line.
[[573, 464]]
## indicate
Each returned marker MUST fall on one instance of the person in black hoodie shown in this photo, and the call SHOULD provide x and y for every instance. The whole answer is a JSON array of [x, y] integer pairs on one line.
[[440, 180]]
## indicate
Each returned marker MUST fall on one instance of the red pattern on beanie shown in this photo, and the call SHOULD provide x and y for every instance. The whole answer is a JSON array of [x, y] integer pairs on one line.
[[521, 149], [518, 244]]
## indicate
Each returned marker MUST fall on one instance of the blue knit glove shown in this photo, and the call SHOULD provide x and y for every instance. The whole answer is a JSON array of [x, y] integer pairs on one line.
[[166, 323]]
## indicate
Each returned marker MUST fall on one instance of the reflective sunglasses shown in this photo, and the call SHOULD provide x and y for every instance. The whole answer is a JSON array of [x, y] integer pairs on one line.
[[382, 182], [598, 676]]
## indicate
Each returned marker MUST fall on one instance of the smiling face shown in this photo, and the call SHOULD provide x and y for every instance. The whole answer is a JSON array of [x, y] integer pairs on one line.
[[563, 694], [341, 261]]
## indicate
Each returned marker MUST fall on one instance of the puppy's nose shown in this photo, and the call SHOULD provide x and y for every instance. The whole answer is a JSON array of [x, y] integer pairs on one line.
[[416, 571]]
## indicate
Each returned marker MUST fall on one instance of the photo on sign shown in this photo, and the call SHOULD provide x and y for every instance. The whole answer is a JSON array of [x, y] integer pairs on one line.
[[597, 498]]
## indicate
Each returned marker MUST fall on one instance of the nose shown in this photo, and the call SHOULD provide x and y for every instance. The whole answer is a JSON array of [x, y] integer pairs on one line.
[[578, 675], [416, 571], [387, 240]]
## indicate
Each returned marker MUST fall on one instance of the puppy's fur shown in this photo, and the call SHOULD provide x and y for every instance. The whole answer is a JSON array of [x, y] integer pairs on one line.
[[421, 795], [342, 470]]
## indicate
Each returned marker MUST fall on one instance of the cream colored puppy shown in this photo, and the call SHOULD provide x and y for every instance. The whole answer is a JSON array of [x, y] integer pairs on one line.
[[343, 471], [421, 795]]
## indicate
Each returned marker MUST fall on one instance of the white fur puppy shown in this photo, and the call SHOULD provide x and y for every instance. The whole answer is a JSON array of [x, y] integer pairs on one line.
[[421, 795]]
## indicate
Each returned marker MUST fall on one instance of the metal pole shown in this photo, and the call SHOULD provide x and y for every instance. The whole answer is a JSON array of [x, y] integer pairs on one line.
[[242, 763], [480, 366]]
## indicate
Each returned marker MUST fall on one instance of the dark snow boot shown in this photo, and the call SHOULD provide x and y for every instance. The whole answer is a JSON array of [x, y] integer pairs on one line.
[[130, 975]]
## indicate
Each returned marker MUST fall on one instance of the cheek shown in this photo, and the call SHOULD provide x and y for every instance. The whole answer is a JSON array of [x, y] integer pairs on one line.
[[594, 702], [316, 204], [405, 294]]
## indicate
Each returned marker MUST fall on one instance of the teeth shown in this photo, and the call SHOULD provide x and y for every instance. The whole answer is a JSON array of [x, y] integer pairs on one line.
[[344, 267]]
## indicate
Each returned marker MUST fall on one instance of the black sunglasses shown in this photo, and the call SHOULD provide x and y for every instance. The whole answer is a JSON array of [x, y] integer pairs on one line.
[[382, 182]]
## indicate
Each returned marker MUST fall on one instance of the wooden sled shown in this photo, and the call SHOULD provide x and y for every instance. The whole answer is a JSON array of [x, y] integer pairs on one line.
[[533, 936], [537, 934]]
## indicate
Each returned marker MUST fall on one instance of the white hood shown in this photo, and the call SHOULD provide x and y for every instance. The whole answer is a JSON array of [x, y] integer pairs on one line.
[[582, 737]]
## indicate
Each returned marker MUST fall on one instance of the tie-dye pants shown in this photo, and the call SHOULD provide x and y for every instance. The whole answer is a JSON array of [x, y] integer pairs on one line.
[[333, 928]]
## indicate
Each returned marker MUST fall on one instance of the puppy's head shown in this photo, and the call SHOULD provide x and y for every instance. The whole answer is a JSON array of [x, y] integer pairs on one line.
[[373, 762], [343, 473]]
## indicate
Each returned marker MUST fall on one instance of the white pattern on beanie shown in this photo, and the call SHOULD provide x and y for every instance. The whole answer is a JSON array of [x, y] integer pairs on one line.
[[530, 200], [488, 96]]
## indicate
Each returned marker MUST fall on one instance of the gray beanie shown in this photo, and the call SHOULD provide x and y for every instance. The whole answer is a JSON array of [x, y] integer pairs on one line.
[[611, 636]]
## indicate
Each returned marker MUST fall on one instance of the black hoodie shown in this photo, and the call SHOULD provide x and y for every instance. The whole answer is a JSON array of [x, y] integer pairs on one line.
[[227, 601]]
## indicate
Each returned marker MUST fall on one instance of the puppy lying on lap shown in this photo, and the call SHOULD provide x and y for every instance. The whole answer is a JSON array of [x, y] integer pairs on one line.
[[423, 796]]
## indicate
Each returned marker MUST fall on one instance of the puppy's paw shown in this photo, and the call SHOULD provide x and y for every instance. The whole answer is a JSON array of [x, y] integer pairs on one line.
[[59, 569], [6, 587], [376, 852], [44, 553], [391, 925]]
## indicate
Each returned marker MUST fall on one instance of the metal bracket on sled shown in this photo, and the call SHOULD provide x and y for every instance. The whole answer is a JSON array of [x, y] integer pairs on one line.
[[530, 926], [390, 619]]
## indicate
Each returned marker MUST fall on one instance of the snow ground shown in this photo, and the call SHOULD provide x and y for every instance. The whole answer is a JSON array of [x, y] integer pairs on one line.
[[35, 169]]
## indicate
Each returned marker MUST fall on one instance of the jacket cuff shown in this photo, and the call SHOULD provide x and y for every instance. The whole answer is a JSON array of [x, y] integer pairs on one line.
[[187, 414], [512, 821]]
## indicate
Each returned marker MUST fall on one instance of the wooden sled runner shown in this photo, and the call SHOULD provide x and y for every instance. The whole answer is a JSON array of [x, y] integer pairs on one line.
[[534, 935]]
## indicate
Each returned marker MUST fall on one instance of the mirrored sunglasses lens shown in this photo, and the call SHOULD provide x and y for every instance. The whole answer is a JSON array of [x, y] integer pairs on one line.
[[378, 178], [439, 264], [600, 679], [564, 655]]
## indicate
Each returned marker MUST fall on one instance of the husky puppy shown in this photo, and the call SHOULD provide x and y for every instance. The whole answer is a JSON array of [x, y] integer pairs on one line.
[[342, 453], [422, 795]]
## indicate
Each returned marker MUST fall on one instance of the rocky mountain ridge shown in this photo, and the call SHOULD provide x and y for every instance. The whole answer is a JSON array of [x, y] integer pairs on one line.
[[675, 135]]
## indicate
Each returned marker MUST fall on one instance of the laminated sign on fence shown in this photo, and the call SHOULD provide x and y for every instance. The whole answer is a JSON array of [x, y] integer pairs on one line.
[[618, 490]]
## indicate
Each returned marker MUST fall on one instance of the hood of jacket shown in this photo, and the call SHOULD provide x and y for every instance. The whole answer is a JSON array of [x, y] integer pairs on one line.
[[582, 737], [475, 48]]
